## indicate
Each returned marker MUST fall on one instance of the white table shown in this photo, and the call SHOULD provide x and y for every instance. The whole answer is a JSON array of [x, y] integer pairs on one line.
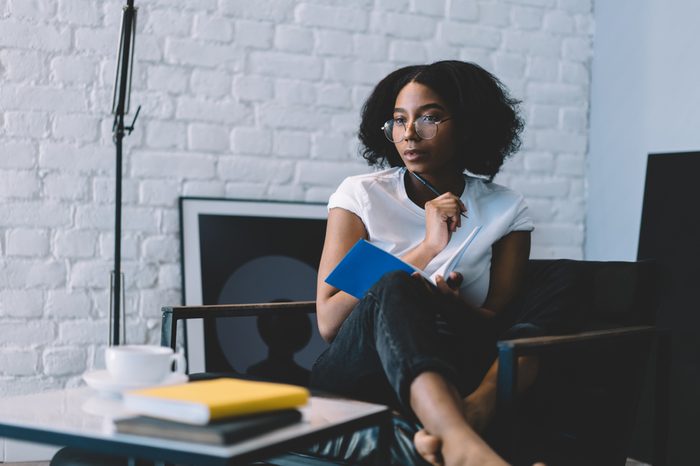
[[79, 418]]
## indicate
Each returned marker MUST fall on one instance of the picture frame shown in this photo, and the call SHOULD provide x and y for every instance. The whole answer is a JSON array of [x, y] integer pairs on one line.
[[243, 251]]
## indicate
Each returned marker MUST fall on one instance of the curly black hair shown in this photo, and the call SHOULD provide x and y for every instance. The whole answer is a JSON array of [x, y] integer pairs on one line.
[[487, 117]]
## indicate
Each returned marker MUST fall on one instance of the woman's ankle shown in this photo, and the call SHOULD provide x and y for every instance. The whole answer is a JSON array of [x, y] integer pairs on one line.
[[479, 408], [466, 448]]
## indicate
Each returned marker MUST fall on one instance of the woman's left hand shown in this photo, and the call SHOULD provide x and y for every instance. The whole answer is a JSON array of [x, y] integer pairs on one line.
[[451, 285]]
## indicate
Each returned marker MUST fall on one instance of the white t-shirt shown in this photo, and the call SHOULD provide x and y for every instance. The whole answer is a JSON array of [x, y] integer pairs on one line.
[[395, 224]]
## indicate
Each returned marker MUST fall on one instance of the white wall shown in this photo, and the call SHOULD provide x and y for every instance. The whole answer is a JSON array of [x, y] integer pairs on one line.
[[241, 98], [645, 98]]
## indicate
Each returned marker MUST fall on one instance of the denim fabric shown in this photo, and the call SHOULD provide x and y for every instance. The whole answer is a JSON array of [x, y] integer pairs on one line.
[[401, 328]]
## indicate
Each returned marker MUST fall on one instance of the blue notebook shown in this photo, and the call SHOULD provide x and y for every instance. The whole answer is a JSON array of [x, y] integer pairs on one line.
[[366, 263]]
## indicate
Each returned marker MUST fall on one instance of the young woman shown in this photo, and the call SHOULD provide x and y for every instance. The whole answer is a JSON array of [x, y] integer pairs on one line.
[[428, 350]]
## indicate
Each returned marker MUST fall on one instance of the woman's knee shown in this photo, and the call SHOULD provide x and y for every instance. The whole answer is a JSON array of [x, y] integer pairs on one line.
[[394, 281], [394, 290], [398, 294]]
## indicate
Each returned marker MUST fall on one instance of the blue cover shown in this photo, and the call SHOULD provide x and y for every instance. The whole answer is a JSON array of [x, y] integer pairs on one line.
[[362, 266]]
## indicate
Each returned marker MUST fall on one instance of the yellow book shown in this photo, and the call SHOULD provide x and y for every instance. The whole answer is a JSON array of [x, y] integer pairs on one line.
[[211, 400]]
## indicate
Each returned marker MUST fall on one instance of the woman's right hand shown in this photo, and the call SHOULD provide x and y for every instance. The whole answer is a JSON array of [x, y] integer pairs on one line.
[[442, 218]]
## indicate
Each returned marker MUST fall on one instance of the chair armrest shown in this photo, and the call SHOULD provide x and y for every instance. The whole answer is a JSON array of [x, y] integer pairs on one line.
[[510, 350], [171, 314], [521, 346]]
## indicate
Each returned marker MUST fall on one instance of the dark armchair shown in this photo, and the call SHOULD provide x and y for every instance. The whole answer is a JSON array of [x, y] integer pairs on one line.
[[582, 408]]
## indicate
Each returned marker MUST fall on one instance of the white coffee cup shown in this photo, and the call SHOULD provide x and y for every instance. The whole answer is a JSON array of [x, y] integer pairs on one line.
[[142, 363]]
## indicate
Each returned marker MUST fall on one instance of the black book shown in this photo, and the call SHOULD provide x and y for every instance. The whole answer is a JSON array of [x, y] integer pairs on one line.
[[215, 433]]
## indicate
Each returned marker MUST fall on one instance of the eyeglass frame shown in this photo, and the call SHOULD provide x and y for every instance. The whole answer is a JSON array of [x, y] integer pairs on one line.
[[436, 123]]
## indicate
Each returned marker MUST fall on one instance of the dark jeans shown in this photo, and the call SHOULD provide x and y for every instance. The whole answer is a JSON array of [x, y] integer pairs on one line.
[[402, 328]]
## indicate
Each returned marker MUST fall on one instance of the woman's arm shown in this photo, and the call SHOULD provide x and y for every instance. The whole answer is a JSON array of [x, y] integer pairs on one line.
[[333, 306], [509, 257]]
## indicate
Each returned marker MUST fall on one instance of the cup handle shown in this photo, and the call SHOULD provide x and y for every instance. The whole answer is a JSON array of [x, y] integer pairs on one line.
[[180, 364]]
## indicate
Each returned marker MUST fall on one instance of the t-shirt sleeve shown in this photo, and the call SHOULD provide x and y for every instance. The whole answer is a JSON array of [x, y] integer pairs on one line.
[[521, 220], [348, 196]]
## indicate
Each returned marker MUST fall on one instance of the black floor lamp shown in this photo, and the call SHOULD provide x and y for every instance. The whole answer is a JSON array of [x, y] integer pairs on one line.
[[120, 107]]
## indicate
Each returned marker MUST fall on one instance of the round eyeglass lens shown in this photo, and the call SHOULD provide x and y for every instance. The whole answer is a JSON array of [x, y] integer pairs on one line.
[[396, 132], [393, 131], [426, 129]]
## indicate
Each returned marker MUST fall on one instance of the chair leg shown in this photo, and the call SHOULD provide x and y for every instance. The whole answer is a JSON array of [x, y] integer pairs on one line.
[[168, 329], [384, 434], [507, 379]]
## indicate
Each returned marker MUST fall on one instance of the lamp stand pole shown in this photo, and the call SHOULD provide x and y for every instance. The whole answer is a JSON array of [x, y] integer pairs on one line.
[[120, 106]]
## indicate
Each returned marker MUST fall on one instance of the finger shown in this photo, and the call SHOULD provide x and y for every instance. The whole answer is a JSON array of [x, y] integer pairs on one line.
[[440, 280], [449, 222], [434, 459], [426, 444], [455, 279], [442, 285], [453, 221]]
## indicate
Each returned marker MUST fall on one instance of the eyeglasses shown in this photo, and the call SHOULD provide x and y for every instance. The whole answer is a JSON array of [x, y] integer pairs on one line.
[[426, 127]]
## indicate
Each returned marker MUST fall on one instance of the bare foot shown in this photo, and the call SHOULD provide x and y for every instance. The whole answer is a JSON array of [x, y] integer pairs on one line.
[[430, 449], [467, 449], [478, 409], [458, 449]]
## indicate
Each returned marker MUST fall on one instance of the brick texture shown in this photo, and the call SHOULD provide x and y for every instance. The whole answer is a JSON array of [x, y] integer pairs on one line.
[[246, 99]]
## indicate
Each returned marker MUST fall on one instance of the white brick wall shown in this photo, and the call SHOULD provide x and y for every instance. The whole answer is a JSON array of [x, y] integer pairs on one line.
[[246, 99]]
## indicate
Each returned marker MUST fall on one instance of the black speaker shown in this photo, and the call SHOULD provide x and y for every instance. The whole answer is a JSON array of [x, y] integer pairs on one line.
[[670, 234]]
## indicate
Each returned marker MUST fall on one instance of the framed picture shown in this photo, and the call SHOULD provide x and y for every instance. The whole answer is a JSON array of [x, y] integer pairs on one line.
[[241, 251]]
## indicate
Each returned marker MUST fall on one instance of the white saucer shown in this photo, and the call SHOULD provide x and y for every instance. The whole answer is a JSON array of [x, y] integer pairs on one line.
[[103, 382], [108, 407]]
